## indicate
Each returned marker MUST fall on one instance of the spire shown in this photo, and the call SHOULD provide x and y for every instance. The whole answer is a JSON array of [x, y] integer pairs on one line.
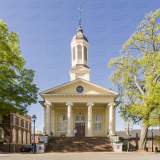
[[79, 10]]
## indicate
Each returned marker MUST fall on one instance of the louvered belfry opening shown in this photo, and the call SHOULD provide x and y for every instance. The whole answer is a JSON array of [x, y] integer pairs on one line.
[[74, 57], [85, 53], [79, 49]]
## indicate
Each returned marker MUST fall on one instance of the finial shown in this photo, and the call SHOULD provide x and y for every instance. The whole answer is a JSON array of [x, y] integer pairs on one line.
[[79, 10]]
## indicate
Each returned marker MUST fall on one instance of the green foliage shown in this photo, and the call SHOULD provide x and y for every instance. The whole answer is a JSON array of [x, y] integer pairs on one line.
[[124, 147], [1, 142], [137, 73], [17, 90], [157, 140], [39, 131]]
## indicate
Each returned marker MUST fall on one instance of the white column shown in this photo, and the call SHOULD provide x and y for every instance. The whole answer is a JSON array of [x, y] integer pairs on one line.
[[69, 131], [111, 120], [106, 120], [90, 119], [48, 118], [82, 54], [53, 120], [44, 120]]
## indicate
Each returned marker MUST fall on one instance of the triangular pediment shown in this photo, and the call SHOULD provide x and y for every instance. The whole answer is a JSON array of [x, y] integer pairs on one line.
[[70, 88]]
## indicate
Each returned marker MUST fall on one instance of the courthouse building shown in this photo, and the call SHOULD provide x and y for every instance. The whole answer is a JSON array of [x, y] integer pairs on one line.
[[79, 108]]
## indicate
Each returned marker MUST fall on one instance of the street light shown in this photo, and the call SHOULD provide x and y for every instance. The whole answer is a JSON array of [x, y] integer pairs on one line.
[[34, 120], [152, 139]]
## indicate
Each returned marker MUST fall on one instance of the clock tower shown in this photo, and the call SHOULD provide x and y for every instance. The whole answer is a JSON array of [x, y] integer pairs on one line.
[[79, 50]]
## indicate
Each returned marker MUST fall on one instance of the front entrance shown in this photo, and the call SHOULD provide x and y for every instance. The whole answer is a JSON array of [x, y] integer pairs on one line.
[[80, 127]]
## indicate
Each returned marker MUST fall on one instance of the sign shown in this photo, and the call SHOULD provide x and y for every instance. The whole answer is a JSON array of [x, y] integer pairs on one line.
[[40, 147], [75, 131], [118, 147]]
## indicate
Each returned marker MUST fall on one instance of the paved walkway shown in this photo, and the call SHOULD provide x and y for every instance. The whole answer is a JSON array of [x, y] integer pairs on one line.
[[81, 156]]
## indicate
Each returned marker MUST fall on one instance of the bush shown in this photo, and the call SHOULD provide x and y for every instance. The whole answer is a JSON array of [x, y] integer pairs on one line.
[[124, 147], [1, 142]]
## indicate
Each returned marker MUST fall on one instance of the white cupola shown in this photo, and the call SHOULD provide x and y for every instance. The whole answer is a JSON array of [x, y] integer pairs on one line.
[[79, 49]]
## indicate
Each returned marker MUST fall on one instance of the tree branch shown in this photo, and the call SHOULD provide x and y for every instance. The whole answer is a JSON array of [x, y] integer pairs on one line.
[[135, 80]]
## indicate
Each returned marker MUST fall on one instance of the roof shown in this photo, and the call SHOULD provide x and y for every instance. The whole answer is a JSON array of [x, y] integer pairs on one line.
[[124, 135], [80, 35]]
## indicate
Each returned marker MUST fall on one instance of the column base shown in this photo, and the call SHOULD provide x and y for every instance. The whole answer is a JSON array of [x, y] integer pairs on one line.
[[69, 135], [90, 135]]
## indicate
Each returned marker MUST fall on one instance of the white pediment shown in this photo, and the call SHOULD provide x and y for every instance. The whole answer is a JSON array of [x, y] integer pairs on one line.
[[70, 88]]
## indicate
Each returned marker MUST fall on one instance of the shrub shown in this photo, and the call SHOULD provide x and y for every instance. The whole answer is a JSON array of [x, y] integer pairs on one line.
[[124, 147], [1, 142]]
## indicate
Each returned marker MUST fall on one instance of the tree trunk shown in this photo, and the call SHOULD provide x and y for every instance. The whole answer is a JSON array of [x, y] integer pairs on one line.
[[143, 137]]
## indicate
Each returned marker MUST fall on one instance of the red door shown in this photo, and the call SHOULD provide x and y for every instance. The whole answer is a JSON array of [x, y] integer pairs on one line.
[[80, 127]]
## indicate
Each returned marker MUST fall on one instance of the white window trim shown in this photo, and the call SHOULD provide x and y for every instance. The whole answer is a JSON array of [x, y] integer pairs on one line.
[[97, 114], [63, 121]]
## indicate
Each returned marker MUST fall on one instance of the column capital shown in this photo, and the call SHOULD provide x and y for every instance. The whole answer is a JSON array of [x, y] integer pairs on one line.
[[111, 104], [47, 103], [69, 103], [90, 104]]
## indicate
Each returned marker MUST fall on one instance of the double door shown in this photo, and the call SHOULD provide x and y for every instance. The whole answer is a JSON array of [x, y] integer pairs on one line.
[[80, 127]]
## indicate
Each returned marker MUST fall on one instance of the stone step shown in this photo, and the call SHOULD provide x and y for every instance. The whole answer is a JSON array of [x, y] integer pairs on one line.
[[87, 144]]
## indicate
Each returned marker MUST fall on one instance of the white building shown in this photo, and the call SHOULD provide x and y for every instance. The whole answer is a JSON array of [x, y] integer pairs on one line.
[[79, 108]]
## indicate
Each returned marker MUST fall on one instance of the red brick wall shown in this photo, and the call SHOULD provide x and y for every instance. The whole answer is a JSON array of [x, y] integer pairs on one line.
[[7, 125]]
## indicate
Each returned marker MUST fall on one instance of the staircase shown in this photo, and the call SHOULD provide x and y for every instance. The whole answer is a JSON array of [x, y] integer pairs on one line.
[[73, 144]]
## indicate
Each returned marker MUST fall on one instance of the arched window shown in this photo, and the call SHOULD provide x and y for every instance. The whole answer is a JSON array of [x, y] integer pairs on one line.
[[1, 134], [79, 49], [85, 53], [62, 122], [14, 135], [19, 137], [74, 53], [97, 122], [28, 138], [24, 137], [80, 116]]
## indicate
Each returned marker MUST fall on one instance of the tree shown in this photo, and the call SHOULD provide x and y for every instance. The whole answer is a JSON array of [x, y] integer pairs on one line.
[[39, 131], [137, 74], [17, 90]]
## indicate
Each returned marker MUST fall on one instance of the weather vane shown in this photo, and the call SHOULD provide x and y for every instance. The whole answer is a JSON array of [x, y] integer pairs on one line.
[[79, 10]]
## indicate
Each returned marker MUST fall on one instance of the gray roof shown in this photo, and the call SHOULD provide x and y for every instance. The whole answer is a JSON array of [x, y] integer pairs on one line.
[[123, 134], [80, 35]]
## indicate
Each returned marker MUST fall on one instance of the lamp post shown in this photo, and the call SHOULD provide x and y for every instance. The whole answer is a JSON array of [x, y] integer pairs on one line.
[[34, 120], [152, 139]]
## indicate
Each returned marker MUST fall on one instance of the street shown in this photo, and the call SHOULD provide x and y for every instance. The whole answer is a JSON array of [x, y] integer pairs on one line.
[[81, 156]]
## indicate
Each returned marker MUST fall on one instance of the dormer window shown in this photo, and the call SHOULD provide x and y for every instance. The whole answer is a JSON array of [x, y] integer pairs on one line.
[[79, 76]]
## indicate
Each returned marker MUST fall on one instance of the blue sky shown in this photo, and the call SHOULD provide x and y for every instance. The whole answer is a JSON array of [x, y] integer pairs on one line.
[[46, 29]]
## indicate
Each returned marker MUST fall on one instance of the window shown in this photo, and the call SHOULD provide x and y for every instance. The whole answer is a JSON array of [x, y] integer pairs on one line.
[[80, 116], [24, 137], [74, 53], [24, 124], [20, 122], [14, 120], [85, 53], [97, 122], [62, 122], [79, 48], [1, 138], [14, 135], [28, 125], [19, 137]]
